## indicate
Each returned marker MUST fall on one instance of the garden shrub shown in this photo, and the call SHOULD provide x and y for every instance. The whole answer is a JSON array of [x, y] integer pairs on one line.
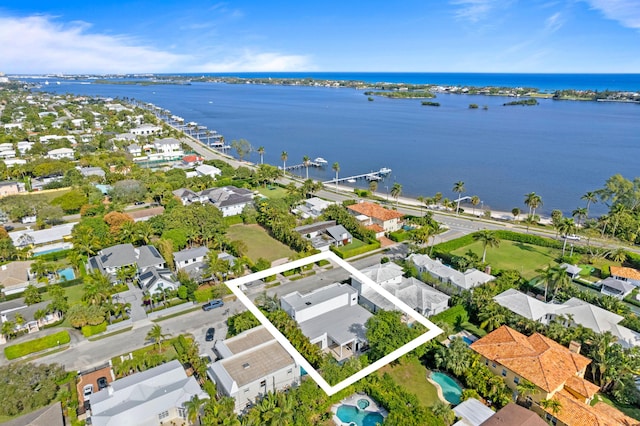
[[36, 345], [90, 330]]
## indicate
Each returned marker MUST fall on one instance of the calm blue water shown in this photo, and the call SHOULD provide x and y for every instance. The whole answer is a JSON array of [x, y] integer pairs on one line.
[[351, 414], [450, 389], [558, 149]]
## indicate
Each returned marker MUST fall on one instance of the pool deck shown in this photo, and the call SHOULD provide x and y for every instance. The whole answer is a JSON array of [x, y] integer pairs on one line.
[[353, 400]]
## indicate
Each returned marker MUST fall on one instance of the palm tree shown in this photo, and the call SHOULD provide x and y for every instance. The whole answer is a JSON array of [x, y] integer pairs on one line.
[[193, 407], [96, 288], [336, 168], [306, 160], [458, 188], [590, 197], [443, 411], [396, 191], [475, 200], [525, 388], [488, 239], [515, 212], [373, 186], [552, 405], [566, 227], [157, 335], [618, 255], [580, 214], [533, 201], [261, 152], [283, 157]]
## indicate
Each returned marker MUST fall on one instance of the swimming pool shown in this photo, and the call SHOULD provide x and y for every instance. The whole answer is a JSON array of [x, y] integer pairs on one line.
[[450, 389], [66, 274], [467, 340], [353, 415], [53, 250]]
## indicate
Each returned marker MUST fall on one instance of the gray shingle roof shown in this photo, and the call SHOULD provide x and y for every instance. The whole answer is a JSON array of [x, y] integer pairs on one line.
[[190, 253]]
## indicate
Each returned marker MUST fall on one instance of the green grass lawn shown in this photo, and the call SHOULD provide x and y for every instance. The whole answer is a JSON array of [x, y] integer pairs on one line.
[[412, 376], [259, 242], [36, 345], [275, 192], [73, 293], [524, 258]]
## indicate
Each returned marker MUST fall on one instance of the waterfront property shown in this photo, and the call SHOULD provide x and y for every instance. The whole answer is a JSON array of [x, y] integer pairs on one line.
[[460, 280], [152, 397], [330, 317], [250, 365], [555, 371], [376, 217], [358, 409], [571, 313], [419, 296], [228, 199]]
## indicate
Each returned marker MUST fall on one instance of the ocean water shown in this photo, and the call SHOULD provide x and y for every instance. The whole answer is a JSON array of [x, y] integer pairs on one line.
[[558, 149]]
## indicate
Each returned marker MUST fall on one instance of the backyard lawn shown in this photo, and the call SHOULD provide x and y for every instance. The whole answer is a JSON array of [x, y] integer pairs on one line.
[[412, 376], [259, 243], [525, 258], [274, 192]]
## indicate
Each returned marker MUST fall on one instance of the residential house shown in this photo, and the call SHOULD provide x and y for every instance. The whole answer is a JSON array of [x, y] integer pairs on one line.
[[11, 309], [472, 412], [109, 260], [420, 297], [146, 130], [316, 234], [135, 150], [192, 261], [312, 207], [339, 235], [572, 270], [153, 397], [376, 217], [330, 317], [555, 371], [7, 153], [570, 313], [616, 288], [623, 273], [49, 238], [229, 200], [60, 153], [157, 280], [187, 196], [15, 276], [169, 148], [207, 170], [92, 171], [24, 146], [250, 365], [11, 188], [467, 280], [514, 415], [191, 160], [14, 161]]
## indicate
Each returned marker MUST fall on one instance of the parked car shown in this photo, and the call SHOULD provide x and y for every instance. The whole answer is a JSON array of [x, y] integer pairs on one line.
[[210, 334], [572, 237], [212, 304], [87, 391], [102, 383]]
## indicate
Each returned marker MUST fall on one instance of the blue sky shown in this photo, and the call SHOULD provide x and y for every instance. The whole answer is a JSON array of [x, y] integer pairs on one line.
[[588, 36]]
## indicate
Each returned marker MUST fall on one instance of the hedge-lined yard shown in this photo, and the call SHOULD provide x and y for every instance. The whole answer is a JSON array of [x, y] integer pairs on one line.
[[36, 345], [355, 248]]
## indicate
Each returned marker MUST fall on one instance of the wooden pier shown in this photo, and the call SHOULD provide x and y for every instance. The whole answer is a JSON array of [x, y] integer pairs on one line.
[[378, 175]]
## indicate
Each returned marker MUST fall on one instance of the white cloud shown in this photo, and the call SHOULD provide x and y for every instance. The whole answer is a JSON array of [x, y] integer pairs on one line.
[[627, 12], [40, 44], [474, 10], [554, 22]]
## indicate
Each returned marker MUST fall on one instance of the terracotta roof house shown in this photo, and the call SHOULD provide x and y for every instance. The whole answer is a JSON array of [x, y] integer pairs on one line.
[[626, 274], [374, 214], [556, 372]]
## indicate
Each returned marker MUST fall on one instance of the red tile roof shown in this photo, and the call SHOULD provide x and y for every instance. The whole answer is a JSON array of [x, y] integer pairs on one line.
[[574, 412], [621, 271], [375, 211], [537, 358]]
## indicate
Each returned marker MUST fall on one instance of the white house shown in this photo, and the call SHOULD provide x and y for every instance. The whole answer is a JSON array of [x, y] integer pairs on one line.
[[146, 130], [153, 397], [419, 296], [461, 280], [616, 288], [192, 261], [167, 146], [330, 317], [109, 260], [250, 365], [312, 207], [207, 170], [376, 217], [157, 280], [14, 161], [135, 150], [24, 146], [230, 200], [57, 154], [623, 273]]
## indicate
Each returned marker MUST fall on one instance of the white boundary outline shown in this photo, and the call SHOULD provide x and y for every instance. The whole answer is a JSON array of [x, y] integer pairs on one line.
[[433, 330]]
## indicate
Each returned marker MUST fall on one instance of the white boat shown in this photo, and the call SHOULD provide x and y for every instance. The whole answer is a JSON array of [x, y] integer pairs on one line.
[[384, 171], [373, 177], [320, 160], [351, 180]]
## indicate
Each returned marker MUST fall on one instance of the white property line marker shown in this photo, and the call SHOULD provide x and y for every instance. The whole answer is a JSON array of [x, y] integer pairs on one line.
[[433, 330]]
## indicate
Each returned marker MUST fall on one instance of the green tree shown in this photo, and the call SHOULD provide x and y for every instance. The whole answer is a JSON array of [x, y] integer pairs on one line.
[[533, 201], [373, 186], [32, 295], [261, 152], [591, 197], [475, 200], [306, 160], [515, 212], [459, 189], [487, 239], [157, 336], [336, 168], [283, 157], [552, 405], [396, 191], [97, 288], [443, 411], [242, 147], [194, 406]]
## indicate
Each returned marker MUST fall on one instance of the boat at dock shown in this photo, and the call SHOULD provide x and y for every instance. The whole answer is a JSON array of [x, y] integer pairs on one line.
[[384, 171], [373, 177], [321, 161], [351, 180]]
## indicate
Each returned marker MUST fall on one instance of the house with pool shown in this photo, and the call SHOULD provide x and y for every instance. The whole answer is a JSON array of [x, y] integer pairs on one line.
[[556, 372], [331, 318], [460, 281]]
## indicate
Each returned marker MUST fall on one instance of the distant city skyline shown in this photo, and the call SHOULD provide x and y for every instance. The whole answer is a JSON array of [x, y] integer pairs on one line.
[[509, 36]]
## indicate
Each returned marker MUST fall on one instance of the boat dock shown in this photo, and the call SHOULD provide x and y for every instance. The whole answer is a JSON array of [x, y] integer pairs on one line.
[[303, 165], [371, 176]]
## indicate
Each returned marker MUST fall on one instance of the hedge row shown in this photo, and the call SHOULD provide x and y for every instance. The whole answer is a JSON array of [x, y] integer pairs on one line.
[[345, 254], [449, 246], [233, 220], [90, 330], [36, 345], [399, 236]]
